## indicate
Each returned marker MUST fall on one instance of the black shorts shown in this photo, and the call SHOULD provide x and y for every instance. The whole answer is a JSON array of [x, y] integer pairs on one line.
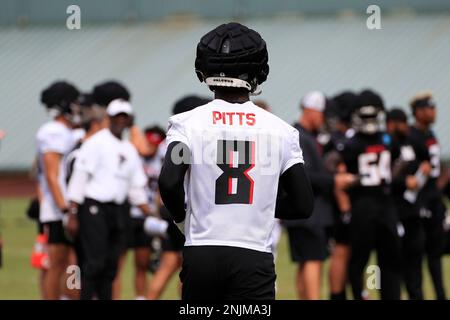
[[227, 273], [307, 244], [137, 238], [341, 232], [55, 232], [174, 240], [40, 227]]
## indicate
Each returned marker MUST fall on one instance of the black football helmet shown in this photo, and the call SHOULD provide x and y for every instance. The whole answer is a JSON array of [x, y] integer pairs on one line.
[[232, 55], [368, 116], [61, 98]]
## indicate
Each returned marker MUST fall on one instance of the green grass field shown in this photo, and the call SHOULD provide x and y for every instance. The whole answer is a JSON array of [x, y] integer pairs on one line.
[[18, 280]]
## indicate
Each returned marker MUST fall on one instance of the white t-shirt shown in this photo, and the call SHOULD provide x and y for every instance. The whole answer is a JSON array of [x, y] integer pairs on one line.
[[114, 168], [78, 134], [55, 137], [238, 152]]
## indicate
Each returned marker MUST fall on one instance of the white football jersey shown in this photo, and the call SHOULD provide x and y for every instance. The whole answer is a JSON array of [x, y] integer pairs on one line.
[[114, 168], [238, 152], [55, 137]]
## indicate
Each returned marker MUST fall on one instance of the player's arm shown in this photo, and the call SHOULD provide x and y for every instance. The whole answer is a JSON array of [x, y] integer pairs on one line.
[[400, 179], [139, 141], [443, 181], [84, 166], [171, 179], [138, 197], [52, 161], [137, 193], [295, 199], [342, 198], [75, 193]]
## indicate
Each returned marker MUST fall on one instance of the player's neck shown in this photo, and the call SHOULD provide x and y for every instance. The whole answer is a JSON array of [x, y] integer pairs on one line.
[[91, 132], [422, 126], [116, 133], [306, 124], [238, 96], [63, 121]]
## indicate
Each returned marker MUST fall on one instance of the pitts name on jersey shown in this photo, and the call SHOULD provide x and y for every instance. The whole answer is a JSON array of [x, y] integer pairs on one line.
[[233, 118]]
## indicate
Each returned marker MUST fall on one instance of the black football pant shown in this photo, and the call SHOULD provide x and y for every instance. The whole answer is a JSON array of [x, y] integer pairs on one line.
[[101, 233], [374, 226], [435, 245], [413, 249], [227, 273]]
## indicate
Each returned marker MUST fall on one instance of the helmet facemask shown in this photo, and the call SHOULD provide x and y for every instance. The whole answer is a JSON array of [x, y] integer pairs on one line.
[[70, 111], [368, 120]]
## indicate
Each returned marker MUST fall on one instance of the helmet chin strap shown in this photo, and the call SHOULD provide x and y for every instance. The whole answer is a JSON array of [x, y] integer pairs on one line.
[[228, 82]]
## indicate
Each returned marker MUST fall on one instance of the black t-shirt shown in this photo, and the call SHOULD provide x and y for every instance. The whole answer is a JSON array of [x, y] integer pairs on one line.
[[427, 148], [369, 157]]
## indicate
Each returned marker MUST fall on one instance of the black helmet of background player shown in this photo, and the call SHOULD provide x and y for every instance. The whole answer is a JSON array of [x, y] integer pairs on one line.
[[368, 117], [397, 123], [232, 56], [346, 103], [189, 103], [61, 99], [424, 108], [108, 91]]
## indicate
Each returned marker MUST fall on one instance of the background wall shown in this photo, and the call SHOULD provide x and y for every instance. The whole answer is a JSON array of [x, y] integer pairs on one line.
[[153, 54]]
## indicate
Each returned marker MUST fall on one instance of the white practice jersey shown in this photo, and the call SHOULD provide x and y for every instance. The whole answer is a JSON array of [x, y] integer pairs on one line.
[[114, 168], [238, 152], [55, 137]]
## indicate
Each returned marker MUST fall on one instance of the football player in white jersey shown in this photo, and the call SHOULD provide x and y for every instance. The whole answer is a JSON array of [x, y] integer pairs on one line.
[[228, 157], [54, 141]]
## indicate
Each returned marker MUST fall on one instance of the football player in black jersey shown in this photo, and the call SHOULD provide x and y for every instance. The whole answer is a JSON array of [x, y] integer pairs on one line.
[[429, 200], [338, 114], [374, 219], [409, 175]]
